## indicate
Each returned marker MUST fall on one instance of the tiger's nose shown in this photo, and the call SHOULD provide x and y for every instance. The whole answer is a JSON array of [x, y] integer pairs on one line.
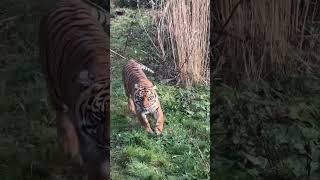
[[145, 104]]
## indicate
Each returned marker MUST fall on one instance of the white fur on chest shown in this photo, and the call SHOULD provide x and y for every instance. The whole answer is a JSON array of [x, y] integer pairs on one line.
[[145, 113]]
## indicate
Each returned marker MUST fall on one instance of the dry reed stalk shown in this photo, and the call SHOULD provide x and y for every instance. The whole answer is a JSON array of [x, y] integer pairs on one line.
[[267, 29], [184, 25]]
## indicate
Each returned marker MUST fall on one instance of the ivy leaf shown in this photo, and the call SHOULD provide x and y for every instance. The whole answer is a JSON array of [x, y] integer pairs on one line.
[[257, 161]]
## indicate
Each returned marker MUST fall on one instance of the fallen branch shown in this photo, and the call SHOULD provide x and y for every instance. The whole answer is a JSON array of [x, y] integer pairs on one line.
[[8, 19], [227, 22], [129, 32], [195, 144], [118, 54]]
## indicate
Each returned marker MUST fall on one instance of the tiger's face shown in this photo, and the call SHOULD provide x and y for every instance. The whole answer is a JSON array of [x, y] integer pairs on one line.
[[92, 113], [145, 98], [92, 108]]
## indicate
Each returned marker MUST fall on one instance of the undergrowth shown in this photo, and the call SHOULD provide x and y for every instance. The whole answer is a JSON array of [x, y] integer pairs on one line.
[[267, 129]]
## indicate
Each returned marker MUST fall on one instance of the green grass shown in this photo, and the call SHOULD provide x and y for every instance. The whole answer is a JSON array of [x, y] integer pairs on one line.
[[182, 152], [28, 148]]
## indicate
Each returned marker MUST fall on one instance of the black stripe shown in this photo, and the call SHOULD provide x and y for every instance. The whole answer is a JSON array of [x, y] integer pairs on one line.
[[90, 101], [58, 19], [78, 23], [59, 11]]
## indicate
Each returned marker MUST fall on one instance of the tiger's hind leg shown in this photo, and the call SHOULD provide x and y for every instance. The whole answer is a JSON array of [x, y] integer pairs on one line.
[[158, 115], [67, 136], [144, 122]]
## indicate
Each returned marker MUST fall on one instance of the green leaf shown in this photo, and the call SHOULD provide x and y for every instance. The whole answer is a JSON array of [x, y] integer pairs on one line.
[[190, 112], [257, 161]]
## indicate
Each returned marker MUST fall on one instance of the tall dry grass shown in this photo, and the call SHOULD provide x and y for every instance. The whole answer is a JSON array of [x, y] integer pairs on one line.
[[182, 27], [260, 35]]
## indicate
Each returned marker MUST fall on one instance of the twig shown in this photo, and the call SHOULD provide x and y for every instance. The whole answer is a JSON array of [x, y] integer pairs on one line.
[[118, 54], [227, 22], [8, 19], [145, 30], [129, 32], [201, 155], [223, 33]]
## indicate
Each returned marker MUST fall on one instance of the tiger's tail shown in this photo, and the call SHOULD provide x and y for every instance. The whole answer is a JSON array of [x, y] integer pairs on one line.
[[143, 67]]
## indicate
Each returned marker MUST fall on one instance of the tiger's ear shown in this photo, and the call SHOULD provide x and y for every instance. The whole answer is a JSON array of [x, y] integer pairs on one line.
[[154, 87], [136, 86], [84, 78]]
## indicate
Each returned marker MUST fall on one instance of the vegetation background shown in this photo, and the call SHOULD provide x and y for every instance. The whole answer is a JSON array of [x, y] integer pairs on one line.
[[28, 147], [266, 89]]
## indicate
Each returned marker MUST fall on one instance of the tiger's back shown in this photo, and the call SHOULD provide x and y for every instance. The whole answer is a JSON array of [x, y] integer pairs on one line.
[[142, 96], [133, 74], [74, 56], [76, 42]]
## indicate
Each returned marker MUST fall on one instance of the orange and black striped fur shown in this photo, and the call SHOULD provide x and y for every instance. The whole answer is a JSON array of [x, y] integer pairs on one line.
[[142, 96], [74, 54]]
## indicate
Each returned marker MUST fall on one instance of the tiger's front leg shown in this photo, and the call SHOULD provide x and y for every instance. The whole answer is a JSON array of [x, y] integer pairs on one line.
[[144, 122], [67, 136], [158, 115], [131, 106]]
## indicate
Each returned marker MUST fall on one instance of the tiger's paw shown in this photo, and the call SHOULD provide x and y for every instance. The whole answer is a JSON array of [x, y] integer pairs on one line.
[[149, 131], [158, 132]]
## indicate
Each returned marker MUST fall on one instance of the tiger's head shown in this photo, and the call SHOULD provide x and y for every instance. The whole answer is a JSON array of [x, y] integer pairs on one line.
[[145, 98], [92, 112]]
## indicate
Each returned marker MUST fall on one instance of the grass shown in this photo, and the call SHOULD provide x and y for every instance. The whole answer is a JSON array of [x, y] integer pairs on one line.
[[28, 148], [182, 152]]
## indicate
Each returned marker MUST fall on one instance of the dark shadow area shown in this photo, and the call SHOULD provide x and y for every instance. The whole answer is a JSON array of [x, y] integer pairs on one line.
[[28, 146], [265, 97]]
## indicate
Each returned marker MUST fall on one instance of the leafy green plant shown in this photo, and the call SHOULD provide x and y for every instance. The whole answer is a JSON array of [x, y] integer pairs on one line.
[[267, 130]]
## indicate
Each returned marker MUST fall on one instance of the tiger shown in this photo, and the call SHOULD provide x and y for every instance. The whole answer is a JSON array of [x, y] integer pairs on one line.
[[101, 15], [75, 61], [142, 96]]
